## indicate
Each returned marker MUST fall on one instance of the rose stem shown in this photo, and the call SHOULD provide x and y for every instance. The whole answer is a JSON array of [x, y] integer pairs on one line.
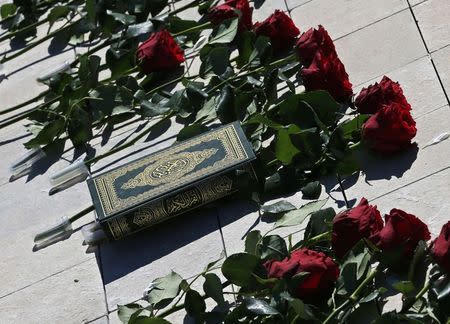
[[342, 190], [82, 213], [73, 64], [128, 144], [36, 43], [354, 296], [39, 96], [22, 30], [422, 292], [262, 68]]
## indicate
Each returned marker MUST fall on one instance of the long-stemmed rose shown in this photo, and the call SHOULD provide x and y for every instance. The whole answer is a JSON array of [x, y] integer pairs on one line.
[[231, 9], [390, 130], [280, 28], [371, 99], [350, 226]]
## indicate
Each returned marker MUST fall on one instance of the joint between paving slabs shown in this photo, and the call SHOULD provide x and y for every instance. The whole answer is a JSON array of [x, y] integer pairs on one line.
[[428, 50]]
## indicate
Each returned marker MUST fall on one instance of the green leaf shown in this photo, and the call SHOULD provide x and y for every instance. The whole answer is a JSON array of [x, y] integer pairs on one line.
[[273, 247], [213, 288], [245, 47], [194, 304], [297, 109], [156, 6], [312, 190], [278, 207], [164, 289], [149, 320], [319, 222], [47, 134], [125, 311], [207, 112], [191, 131], [262, 52], [58, 12], [284, 149], [225, 106], [225, 32], [7, 9], [136, 30], [217, 61], [296, 217], [149, 109], [260, 307], [405, 286], [90, 8], [119, 61], [239, 268], [122, 18], [79, 127], [251, 242], [351, 128]]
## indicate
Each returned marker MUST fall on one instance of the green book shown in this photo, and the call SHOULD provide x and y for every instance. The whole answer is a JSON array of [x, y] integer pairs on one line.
[[170, 182]]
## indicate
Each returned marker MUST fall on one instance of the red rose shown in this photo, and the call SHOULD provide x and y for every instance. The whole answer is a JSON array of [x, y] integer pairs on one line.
[[372, 98], [322, 273], [280, 28], [327, 72], [352, 225], [312, 41], [390, 130], [441, 248], [402, 232], [227, 10], [159, 52]]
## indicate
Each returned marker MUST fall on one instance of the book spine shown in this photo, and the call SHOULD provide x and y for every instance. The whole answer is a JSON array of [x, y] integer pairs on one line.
[[162, 209]]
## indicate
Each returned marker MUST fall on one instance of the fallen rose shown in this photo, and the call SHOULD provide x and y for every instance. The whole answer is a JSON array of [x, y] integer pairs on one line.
[[327, 72], [401, 233], [322, 271], [280, 28], [371, 99], [312, 41], [441, 248], [159, 52], [354, 224], [390, 130], [227, 10]]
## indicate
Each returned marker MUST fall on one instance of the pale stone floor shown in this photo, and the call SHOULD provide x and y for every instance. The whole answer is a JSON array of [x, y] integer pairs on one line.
[[408, 40]]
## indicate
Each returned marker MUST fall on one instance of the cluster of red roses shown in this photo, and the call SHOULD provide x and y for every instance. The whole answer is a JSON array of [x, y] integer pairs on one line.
[[399, 236], [391, 126], [323, 70]]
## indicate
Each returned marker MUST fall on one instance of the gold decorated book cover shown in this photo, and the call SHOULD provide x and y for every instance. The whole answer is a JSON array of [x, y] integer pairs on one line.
[[172, 181]]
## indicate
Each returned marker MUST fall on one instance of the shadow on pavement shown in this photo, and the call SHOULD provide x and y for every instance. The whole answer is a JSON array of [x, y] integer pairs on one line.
[[118, 258]]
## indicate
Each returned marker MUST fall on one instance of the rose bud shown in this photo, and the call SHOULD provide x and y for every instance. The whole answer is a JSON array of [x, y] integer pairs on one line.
[[229, 9], [318, 284], [159, 52], [327, 73], [312, 41], [354, 224], [372, 98], [280, 28], [401, 233], [441, 248], [390, 130]]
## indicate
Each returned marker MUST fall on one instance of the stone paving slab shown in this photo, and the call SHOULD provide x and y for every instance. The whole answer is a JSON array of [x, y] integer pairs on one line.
[[441, 60], [407, 166], [423, 198], [340, 17], [420, 84], [381, 40], [71, 296], [433, 17], [381, 47]]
